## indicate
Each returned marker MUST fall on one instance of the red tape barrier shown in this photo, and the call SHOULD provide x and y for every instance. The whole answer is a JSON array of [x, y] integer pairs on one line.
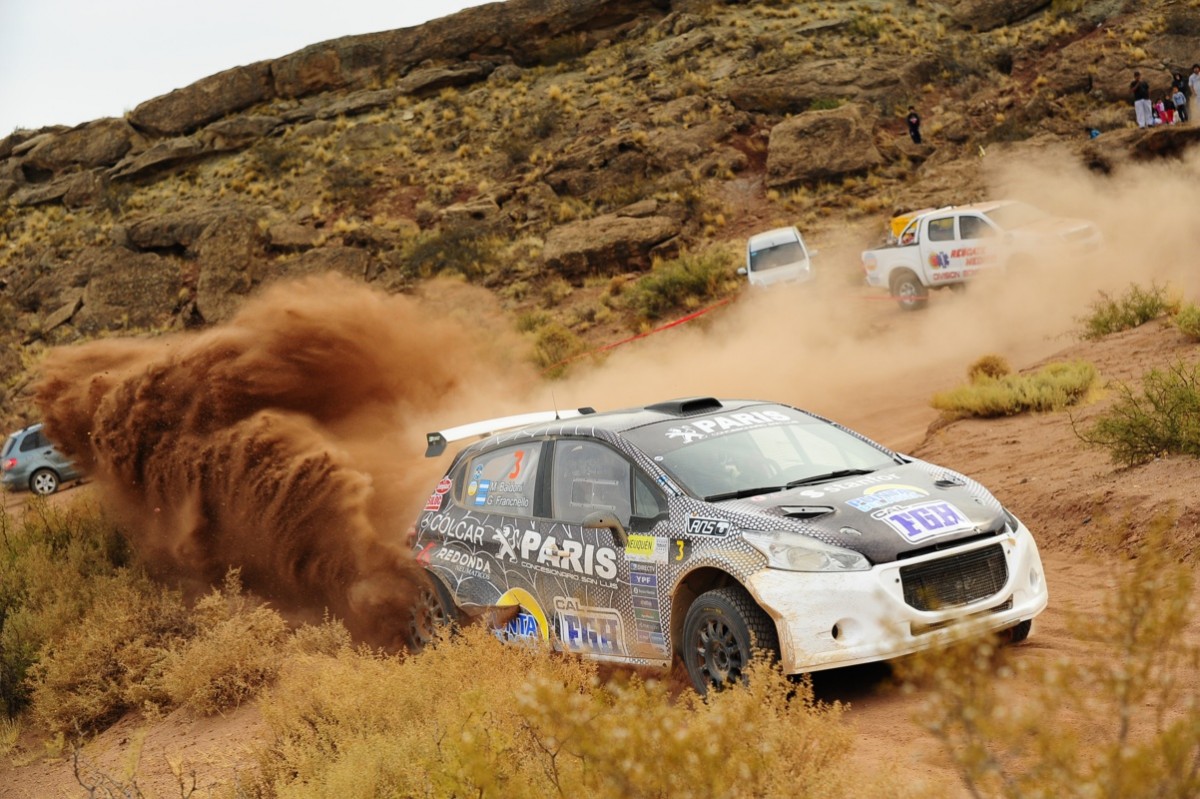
[[682, 320]]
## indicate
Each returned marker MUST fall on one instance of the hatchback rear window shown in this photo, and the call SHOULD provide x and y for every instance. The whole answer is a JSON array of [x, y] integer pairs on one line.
[[8, 445]]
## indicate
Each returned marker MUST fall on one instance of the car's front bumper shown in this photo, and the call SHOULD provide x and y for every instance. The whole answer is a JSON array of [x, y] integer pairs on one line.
[[826, 620]]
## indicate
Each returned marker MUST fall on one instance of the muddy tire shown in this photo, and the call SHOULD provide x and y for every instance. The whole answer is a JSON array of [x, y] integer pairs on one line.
[[433, 610], [724, 630], [908, 291], [43, 482]]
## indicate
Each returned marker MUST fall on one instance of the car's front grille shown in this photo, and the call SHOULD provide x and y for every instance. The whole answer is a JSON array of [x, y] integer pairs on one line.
[[956, 580]]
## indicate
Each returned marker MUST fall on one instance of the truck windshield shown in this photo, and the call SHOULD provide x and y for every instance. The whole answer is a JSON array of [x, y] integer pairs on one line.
[[786, 254]]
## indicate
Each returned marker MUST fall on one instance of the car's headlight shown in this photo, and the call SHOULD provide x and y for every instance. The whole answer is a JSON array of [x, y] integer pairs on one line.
[[799, 553]]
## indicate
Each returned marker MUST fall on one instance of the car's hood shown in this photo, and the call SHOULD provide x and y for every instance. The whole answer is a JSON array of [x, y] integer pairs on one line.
[[883, 515]]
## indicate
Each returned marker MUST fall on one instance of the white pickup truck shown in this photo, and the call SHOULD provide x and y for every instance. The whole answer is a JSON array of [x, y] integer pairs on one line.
[[949, 246]]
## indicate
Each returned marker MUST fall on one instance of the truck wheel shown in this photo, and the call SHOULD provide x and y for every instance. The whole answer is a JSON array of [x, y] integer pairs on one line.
[[723, 631], [908, 291], [1017, 633]]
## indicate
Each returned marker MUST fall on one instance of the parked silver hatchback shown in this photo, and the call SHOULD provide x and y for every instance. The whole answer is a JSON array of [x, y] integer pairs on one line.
[[30, 460]]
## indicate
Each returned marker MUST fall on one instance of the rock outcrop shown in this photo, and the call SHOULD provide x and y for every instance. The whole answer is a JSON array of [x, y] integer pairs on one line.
[[820, 145]]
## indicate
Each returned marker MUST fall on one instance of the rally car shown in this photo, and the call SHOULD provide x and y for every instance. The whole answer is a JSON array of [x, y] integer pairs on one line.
[[716, 530]]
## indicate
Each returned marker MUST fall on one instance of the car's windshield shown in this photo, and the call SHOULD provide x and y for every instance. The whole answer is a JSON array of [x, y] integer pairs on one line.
[[1014, 215], [764, 447], [780, 255]]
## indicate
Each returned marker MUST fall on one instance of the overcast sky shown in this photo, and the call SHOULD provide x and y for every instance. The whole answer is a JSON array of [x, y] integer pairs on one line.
[[71, 61]]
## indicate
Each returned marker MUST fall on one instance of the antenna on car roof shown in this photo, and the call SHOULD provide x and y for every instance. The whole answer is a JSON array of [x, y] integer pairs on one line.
[[554, 404]]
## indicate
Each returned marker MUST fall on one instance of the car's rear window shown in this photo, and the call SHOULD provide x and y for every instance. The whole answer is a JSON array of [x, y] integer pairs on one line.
[[8, 445]]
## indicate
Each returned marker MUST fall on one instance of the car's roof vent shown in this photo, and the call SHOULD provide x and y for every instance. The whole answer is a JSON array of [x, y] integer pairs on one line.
[[687, 407]]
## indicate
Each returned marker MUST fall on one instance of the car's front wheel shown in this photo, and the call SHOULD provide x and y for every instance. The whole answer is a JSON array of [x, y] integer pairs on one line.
[[723, 631], [43, 481]]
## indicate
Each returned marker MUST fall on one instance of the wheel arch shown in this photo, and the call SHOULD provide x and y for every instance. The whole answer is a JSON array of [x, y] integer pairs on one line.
[[692, 585]]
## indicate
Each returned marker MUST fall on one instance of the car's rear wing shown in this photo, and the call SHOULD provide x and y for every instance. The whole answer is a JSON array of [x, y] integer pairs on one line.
[[435, 442]]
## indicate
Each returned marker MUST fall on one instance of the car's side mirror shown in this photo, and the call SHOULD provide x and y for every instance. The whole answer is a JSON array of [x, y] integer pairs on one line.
[[742, 271], [599, 520]]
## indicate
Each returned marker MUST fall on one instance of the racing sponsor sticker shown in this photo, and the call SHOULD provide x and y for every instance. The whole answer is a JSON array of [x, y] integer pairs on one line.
[[647, 618], [529, 623], [589, 629], [647, 548], [927, 520], [882, 496], [844, 485], [700, 526], [434, 502], [701, 429]]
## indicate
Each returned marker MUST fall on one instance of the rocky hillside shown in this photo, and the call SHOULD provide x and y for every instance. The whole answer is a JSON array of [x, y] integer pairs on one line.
[[557, 152]]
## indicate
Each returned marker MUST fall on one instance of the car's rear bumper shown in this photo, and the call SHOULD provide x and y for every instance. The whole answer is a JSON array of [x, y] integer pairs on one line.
[[827, 620]]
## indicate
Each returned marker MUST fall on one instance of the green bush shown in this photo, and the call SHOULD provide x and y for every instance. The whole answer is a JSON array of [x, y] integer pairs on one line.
[[1163, 418], [1051, 388], [1188, 320], [683, 283], [1133, 308], [554, 344]]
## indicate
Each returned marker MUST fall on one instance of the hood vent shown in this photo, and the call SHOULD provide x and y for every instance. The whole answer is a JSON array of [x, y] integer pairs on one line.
[[805, 511]]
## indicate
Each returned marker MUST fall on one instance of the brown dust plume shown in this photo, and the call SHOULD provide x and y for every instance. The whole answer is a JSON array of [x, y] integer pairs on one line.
[[282, 443]]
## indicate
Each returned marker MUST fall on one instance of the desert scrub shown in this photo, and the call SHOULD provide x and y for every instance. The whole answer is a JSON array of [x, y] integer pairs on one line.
[[1053, 387], [554, 345], [1188, 320], [1133, 308], [1009, 723], [680, 284], [235, 651], [55, 562], [1163, 418], [471, 716]]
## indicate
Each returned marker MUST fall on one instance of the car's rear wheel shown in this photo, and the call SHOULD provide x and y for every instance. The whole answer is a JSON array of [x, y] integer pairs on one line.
[[432, 611], [723, 631], [43, 481], [908, 291]]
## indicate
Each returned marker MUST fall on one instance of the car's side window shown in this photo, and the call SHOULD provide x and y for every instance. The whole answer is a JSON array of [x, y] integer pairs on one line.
[[941, 229], [649, 505], [33, 441], [589, 477], [973, 227], [504, 480]]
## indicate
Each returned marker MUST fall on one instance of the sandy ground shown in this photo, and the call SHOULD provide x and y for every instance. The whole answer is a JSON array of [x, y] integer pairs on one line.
[[1065, 491]]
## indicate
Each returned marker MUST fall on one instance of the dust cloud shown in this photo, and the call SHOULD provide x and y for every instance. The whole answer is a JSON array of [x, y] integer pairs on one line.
[[287, 443], [846, 351]]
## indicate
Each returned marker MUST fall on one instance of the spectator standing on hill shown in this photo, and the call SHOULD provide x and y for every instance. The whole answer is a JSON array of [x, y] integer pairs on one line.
[[914, 124], [1141, 101], [1179, 100], [1194, 81]]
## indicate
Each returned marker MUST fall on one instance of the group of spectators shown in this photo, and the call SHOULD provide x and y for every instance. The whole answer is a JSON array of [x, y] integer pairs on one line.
[[1170, 108]]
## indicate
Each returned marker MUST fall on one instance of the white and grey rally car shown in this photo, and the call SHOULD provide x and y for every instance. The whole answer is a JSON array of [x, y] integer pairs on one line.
[[714, 528]]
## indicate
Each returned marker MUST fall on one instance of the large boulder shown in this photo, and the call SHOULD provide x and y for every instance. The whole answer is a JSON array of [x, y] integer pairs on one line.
[[100, 143], [204, 101], [163, 155], [227, 253], [127, 290], [608, 244], [794, 90], [511, 28], [820, 145], [175, 230], [985, 15]]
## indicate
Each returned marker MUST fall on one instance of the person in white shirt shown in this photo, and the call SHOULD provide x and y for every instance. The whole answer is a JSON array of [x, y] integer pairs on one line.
[[1194, 85]]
